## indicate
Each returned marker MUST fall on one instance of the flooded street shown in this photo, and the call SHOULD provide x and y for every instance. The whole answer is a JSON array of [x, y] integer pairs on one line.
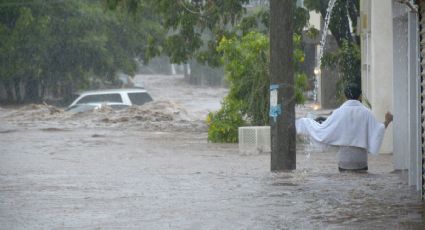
[[152, 168]]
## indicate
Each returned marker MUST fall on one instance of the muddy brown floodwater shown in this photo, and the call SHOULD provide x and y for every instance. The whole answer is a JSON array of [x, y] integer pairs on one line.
[[152, 168]]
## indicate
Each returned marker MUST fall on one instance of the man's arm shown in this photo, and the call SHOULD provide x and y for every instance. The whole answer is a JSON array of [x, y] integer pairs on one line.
[[388, 119]]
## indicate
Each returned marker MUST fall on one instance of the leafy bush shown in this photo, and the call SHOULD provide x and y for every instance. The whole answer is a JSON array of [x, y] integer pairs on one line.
[[223, 125], [246, 61], [301, 85]]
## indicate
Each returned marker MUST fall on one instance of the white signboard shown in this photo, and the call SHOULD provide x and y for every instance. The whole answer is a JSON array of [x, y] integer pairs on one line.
[[273, 98]]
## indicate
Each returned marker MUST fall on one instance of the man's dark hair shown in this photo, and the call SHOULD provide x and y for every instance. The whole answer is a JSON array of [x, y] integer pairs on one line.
[[352, 91]]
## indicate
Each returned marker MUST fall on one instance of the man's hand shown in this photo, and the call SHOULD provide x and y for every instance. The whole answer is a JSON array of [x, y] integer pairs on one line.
[[388, 119]]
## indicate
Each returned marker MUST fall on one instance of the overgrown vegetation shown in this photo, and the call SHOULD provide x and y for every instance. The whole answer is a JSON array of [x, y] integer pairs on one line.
[[56, 47], [246, 62], [347, 60], [51, 48], [246, 58], [224, 124]]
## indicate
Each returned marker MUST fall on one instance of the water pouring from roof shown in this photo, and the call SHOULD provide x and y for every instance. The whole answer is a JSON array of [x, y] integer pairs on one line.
[[325, 28], [317, 71]]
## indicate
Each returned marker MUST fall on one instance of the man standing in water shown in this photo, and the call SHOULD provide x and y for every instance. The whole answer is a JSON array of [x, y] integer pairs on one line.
[[352, 127]]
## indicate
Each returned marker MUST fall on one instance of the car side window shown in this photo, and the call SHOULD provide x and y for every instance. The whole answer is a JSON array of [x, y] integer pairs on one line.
[[139, 98], [112, 97]]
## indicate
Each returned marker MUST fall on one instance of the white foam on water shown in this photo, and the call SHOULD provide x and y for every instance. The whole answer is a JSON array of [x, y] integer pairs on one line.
[[177, 106]]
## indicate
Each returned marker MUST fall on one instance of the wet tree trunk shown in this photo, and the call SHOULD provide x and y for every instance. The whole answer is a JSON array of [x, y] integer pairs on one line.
[[31, 91], [282, 128], [9, 90], [3, 93], [67, 92], [188, 74], [17, 88], [185, 72]]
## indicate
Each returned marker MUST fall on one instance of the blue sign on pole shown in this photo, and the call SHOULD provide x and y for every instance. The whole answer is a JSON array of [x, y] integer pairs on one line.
[[275, 108]]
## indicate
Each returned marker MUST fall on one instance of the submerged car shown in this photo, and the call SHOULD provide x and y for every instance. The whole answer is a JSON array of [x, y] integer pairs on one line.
[[115, 98]]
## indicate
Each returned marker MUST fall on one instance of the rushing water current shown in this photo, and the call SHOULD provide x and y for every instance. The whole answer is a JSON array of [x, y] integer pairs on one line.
[[152, 168]]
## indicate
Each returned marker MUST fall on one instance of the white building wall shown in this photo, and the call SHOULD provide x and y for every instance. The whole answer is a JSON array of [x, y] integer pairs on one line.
[[365, 34], [407, 140], [391, 78], [380, 82], [401, 92], [414, 102], [414, 117]]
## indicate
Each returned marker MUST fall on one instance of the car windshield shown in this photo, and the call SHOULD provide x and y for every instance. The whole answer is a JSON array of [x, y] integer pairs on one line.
[[139, 98]]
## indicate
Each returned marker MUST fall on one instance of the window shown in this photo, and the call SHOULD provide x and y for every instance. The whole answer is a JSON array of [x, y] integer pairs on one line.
[[117, 107], [115, 97], [139, 98]]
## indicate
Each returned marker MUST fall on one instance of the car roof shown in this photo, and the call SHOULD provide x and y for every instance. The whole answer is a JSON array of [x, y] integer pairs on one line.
[[105, 91], [100, 103]]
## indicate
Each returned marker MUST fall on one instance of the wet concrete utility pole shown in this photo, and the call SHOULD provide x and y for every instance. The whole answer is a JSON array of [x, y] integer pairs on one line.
[[282, 97]]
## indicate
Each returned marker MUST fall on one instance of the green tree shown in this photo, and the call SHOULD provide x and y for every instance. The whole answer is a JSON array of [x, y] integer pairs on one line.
[[22, 47], [209, 30], [247, 71], [346, 60], [343, 12], [246, 62], [196, 27], [56, 47], [187, 22]]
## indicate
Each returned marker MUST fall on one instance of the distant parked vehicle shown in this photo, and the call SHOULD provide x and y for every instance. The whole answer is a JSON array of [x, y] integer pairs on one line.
[[115, 98]]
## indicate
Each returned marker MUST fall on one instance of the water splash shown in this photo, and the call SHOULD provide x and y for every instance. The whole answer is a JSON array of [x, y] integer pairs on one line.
[[313, 146], [331, 5], [325, 28], [308, 148]]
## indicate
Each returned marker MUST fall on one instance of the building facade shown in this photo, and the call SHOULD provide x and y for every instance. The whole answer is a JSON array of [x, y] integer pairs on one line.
[[392, 78]]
